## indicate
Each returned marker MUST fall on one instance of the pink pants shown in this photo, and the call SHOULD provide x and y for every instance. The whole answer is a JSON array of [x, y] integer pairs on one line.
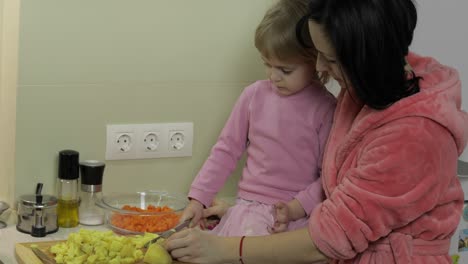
[[250, 218]]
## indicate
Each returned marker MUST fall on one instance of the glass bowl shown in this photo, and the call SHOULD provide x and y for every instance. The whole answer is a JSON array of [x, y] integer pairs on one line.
[[142, 212]]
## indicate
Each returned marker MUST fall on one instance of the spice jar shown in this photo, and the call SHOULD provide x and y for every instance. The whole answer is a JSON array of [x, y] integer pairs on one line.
[[91, 191], [36, 212], [67, 188]]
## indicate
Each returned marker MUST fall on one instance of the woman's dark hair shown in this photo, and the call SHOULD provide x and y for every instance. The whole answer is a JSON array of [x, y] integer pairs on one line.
[[371, 40]]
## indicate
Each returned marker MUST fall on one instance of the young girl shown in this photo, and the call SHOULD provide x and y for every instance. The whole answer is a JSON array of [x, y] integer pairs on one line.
[[282, 123]]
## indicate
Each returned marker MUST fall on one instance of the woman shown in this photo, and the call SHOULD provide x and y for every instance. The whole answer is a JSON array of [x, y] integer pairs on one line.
[[390, 164]]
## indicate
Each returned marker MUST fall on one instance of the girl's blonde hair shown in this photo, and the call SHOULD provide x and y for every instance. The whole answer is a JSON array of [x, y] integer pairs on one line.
[[275, 36]]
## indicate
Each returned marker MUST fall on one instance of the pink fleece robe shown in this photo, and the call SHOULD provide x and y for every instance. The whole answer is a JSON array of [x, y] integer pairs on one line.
[[390, 176]]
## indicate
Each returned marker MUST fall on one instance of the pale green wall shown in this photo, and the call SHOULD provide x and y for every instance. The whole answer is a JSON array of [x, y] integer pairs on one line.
[[84, 64]]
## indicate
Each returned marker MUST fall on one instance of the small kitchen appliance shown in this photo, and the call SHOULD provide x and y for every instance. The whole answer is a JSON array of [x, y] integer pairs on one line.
[[3, 207], [37, 214]]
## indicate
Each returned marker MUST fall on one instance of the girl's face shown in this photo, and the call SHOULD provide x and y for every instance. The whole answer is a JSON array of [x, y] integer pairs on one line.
[[326, 59], [289, 77]]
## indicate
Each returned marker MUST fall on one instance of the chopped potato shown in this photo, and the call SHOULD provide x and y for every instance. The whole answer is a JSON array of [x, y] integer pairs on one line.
[[100, 247]]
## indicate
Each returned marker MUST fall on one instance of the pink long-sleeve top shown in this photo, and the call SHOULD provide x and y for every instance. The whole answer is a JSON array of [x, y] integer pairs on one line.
[[284, 137], [390, 176]]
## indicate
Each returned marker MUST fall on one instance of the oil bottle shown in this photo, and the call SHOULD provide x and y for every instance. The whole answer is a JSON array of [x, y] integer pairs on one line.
[[67, 189]]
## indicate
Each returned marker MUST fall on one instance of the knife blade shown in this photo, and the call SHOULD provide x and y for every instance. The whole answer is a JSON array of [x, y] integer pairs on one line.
[[42, 256], [168, 233]]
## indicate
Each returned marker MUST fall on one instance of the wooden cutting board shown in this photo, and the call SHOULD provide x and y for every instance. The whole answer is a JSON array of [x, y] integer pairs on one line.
[[25, 255]]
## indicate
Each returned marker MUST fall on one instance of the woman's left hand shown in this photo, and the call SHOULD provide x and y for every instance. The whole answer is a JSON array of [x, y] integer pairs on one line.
[[197, 246]]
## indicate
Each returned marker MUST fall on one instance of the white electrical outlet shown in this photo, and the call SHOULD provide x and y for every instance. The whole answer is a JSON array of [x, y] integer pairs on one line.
[[176, 140], [180, 139], [150, 141], [124, 142], [120, 142], [147, 141]]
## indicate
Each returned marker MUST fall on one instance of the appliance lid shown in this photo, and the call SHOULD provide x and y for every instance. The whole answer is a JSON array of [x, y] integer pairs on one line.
[[30, 200]]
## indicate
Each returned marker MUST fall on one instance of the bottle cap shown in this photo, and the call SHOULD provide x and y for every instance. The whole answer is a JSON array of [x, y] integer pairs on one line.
[[68, 165], [92, 172]]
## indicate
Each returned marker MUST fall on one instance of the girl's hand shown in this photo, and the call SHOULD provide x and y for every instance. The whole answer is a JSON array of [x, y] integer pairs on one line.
[[194, 211], [212, 215], [197, 246], [282, 218], [285, 213], [218, 208]]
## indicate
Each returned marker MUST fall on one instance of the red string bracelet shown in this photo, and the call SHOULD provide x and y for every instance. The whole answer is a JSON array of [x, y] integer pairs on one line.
[[240, 249]]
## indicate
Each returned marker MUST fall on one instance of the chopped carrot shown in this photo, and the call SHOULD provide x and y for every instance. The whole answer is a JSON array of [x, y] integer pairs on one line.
[[146, 223]]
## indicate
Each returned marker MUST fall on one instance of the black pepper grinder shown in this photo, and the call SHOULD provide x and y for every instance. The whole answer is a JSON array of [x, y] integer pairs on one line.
[[91, 192]]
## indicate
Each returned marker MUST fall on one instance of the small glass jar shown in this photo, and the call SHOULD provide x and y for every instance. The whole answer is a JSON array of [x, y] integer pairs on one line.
[[91, 191]]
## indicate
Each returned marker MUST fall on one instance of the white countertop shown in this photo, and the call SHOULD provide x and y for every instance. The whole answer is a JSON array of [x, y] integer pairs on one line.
[[9, 236]]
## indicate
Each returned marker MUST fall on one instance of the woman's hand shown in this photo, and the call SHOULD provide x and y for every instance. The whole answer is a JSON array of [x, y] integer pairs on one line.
[[194, 211], [197, 246]]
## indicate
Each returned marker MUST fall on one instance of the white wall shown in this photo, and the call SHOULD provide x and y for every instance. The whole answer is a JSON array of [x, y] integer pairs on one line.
[[442, 33], [85, 64]]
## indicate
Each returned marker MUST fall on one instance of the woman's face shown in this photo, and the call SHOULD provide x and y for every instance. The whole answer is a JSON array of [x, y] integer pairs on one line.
[[326, 59]]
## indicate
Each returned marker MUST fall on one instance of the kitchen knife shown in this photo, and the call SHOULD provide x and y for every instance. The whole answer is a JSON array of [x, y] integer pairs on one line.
[[43, 256], [168, 233]]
